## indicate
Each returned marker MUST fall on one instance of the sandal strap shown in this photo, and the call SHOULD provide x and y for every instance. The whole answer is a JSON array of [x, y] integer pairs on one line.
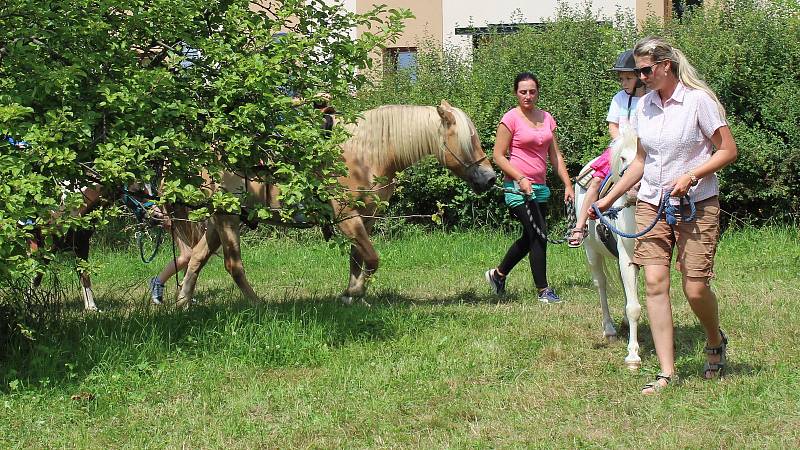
[[655, 385], [714, 350], [663, 376], [719, 349]]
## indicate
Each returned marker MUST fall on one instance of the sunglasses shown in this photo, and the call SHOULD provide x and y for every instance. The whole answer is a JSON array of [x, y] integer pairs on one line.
[[646, 70]]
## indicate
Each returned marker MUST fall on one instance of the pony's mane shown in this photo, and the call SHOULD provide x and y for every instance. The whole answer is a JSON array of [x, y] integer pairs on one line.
[[404, 134], [625, 142]]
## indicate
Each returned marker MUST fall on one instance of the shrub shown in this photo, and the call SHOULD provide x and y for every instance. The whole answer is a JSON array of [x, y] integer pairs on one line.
[[747, 52]]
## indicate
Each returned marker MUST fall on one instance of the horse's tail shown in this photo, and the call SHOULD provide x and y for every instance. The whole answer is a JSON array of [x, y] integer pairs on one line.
[[190, 232]]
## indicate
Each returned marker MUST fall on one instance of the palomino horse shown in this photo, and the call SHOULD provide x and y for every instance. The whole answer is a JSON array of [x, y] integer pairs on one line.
[[74, 240], [623, 153], [384, 141], [77, 240]]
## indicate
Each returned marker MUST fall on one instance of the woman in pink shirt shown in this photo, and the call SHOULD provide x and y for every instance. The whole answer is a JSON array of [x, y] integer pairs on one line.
[[680, 123], [525, 141]]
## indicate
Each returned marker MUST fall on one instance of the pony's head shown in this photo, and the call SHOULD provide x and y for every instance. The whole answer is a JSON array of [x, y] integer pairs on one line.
[[623, 152], [462, 152]]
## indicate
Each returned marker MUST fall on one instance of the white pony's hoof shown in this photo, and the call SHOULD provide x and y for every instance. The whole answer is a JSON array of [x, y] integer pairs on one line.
[[634, 365]]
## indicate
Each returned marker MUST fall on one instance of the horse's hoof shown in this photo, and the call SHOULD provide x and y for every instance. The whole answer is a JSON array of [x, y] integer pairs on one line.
[[347, 300], [611, 338], [633, 366]]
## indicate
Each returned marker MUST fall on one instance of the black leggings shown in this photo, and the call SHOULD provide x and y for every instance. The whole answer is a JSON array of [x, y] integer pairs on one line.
[[530, 243]]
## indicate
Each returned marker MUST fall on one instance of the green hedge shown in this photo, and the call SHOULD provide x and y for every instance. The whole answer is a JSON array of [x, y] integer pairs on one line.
[[749, 54]]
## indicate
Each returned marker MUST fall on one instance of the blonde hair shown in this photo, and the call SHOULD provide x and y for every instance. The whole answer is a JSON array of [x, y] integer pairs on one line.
[[659, 50]]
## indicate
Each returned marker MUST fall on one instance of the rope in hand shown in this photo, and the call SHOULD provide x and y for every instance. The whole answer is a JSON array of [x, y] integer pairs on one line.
[[570, 210], [669, 210]]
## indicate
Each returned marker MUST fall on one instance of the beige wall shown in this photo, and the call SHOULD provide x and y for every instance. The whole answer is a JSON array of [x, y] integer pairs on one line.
[[427, 24], [658, 8]]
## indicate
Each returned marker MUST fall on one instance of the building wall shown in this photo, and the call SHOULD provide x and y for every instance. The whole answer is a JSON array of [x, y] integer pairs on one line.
[[426, 25], [461, 13], [435, 21]]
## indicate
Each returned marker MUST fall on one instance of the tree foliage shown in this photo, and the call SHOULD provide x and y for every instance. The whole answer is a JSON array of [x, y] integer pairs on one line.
[[108, 91]]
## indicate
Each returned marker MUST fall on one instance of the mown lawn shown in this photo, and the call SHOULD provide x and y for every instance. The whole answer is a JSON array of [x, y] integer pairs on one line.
[[435, 361]]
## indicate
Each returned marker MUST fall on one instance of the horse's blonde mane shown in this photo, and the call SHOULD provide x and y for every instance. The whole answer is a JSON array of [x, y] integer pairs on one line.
[[404, 134]]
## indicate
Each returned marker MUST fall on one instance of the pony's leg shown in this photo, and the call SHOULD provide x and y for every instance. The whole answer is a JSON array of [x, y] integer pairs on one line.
[[600, 281], [364, 259], [228, 227], [201, 253], [82, 252], [86, 291], [633, 310]]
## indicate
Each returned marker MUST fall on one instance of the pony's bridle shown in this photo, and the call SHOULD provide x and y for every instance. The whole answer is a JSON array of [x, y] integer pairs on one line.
[[460, 161]]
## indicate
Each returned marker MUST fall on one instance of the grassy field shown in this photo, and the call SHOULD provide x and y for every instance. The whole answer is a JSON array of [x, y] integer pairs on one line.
[[435, 362]]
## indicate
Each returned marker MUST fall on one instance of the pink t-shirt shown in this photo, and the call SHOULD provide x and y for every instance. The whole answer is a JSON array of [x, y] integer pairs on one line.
[[529, 145]]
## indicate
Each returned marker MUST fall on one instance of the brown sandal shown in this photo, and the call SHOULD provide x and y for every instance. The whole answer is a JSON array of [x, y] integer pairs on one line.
[[656, 386], [716, 370], [576, 241]]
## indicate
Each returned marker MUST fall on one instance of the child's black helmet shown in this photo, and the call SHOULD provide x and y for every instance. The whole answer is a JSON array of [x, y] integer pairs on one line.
[[625, 62]]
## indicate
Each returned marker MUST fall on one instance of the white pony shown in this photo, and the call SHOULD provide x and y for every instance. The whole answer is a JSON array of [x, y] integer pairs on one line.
[[623, 152]]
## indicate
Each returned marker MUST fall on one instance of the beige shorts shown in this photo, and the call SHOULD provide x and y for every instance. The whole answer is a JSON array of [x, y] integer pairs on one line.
[[696, 241]]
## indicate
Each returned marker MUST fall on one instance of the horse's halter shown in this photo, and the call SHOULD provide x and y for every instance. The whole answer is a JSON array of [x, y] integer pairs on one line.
[[460, 161]]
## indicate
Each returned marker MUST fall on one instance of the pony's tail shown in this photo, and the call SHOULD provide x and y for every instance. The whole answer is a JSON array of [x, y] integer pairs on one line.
[[189, 232]]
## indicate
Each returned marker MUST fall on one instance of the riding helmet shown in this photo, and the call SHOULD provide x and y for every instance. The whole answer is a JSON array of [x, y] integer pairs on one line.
[[625, 62]]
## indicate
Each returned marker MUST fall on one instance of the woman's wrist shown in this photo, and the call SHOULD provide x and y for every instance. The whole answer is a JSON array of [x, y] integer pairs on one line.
[[520, 178]]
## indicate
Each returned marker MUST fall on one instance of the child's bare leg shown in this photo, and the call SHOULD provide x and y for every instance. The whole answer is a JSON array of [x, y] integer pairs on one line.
[[592, 193]]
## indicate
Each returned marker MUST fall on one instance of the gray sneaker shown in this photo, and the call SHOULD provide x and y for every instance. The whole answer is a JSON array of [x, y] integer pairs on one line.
[[548, 295], [156, 291], [498, 284]]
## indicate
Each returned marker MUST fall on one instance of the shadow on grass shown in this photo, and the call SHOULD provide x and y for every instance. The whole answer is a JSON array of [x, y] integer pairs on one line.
[[301, 331], [689, 343], [294, 332]]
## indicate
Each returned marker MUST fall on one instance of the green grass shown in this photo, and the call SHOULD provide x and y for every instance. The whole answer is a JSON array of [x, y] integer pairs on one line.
[[435, 362]]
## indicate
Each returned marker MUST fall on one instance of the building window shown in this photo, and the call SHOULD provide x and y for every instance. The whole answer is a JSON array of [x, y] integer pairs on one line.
[[401, 59], [483, 35], [679, 7]]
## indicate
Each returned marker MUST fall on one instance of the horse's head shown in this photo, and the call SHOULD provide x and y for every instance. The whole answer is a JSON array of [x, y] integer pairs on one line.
[[623, 152], [463, 154]]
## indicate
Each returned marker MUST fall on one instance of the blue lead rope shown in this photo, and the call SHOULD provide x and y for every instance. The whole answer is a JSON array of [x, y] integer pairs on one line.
[[669, 210]]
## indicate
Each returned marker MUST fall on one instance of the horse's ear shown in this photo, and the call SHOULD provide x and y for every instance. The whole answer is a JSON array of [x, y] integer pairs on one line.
[[446, 113]]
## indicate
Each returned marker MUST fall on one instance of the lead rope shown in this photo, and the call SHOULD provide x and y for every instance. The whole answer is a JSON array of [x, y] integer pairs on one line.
[[669, 210], [570, 213]]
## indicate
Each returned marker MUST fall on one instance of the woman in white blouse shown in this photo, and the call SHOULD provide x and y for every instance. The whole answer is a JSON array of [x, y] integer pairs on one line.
[[684, 140]]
